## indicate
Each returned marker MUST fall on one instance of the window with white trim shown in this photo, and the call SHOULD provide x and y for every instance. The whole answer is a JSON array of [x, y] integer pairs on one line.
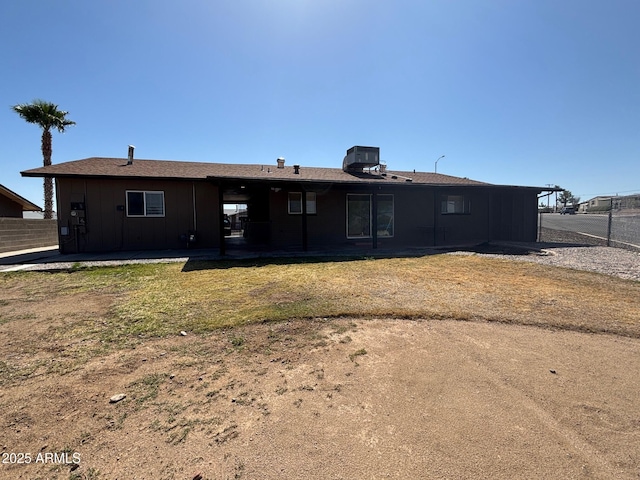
[[145, 203], [295, 203], [455, 204], [359, 216]]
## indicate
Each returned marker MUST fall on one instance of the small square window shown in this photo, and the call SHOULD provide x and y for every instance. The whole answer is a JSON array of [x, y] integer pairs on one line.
[[154, 204], [311, 203], [145, 204], [295, 203], [455, 204], [135, 204]]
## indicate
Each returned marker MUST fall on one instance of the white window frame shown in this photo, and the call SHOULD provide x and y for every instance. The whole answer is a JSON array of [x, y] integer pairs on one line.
[[145, 213], [311, 203]]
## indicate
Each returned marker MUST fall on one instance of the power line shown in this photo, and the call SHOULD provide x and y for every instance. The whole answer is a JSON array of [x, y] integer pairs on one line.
[[603, 194]]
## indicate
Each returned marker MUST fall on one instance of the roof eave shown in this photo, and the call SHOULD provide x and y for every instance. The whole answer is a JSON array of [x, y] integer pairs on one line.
[[26, 205]]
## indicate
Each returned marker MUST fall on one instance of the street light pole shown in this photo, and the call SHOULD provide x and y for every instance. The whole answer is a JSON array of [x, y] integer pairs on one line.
[[549, 197], [436, 168]]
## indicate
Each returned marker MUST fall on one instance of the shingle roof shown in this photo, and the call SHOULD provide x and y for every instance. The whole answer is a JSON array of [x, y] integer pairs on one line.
[[165, 169]]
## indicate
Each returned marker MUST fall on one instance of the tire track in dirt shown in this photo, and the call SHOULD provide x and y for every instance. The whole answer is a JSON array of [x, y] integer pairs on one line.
[[589, 454]]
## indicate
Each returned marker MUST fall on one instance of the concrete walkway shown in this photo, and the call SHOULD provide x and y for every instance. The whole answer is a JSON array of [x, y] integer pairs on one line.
[[48, 258], [20, 259], [51, 259]]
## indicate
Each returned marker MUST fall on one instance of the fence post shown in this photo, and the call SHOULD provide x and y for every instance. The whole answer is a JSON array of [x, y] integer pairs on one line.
[[609, 223], [539, 226]]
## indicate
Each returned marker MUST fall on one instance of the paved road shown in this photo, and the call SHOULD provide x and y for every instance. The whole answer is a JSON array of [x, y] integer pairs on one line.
[[623, 229], [590, 224]]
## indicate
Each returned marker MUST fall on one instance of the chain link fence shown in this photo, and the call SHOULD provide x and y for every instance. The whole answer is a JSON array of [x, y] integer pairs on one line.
[[613, 222]]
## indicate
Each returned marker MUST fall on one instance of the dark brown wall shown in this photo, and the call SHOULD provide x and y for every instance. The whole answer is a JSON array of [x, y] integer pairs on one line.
[[326, 227], [463, 228], [496, 214], [418, 220], [107, 227], [514, 215], [9, 208]]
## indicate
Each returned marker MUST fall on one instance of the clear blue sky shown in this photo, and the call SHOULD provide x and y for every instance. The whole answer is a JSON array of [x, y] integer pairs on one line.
[[518, 92]]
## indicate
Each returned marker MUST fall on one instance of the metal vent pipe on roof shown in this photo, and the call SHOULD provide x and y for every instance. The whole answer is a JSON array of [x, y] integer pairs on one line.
[[130, 159], [296, 169]]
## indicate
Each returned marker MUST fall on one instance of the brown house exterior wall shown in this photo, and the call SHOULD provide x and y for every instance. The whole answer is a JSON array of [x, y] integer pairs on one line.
[[9, 208], [514, 215], [494, 213], [189, 206], [462, 228]]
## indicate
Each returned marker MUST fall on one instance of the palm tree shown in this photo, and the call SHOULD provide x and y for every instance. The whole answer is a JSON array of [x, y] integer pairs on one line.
[[47, 116]]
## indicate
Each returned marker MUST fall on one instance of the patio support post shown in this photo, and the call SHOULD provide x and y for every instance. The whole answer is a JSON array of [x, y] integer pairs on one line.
[[374, 219], [609, 222], [221, 219], [305, 235], [435, 217]]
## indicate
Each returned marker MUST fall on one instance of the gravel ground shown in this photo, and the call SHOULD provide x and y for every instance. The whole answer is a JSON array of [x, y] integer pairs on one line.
[[610, 261]]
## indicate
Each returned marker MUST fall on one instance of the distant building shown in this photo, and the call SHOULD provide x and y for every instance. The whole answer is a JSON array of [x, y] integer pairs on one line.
[[617, 202]]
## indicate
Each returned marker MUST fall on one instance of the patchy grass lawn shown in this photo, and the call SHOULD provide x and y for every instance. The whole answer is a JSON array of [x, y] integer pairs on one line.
[[163, 299], [71, 339]]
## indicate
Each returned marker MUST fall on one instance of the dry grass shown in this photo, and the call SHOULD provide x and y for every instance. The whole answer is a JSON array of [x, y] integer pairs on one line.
[[160, 300], [68, 337]]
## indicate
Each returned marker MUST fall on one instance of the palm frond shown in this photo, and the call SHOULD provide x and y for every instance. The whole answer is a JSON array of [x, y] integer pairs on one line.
[[44, 114]]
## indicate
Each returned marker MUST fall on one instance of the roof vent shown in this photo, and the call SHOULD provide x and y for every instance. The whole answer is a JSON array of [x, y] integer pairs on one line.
[[130, 159], [296, 169], [280, 161], [361, 157]]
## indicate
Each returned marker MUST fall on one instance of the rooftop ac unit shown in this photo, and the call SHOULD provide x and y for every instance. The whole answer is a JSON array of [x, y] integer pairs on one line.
[[361, 157]]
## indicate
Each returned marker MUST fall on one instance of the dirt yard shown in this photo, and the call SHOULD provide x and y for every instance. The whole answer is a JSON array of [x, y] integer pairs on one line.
[[323, 399]]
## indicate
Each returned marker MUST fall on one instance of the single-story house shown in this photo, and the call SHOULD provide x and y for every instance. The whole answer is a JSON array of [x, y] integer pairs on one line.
[[236, 214], [596, 205], [599, 203], [13, 205], [604, 204], [107, 204]]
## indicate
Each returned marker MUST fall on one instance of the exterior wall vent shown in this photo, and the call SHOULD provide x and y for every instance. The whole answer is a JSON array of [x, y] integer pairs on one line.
[[361, 157]]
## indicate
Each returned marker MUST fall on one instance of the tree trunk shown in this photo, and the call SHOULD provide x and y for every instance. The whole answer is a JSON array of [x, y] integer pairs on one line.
[[48, 182], [48, 198]]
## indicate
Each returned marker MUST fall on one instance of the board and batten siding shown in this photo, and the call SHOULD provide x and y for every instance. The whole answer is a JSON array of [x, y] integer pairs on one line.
[[190, 206]]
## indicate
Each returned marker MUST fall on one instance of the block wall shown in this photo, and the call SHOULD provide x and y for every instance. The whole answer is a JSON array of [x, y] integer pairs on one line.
[[23, 233]]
